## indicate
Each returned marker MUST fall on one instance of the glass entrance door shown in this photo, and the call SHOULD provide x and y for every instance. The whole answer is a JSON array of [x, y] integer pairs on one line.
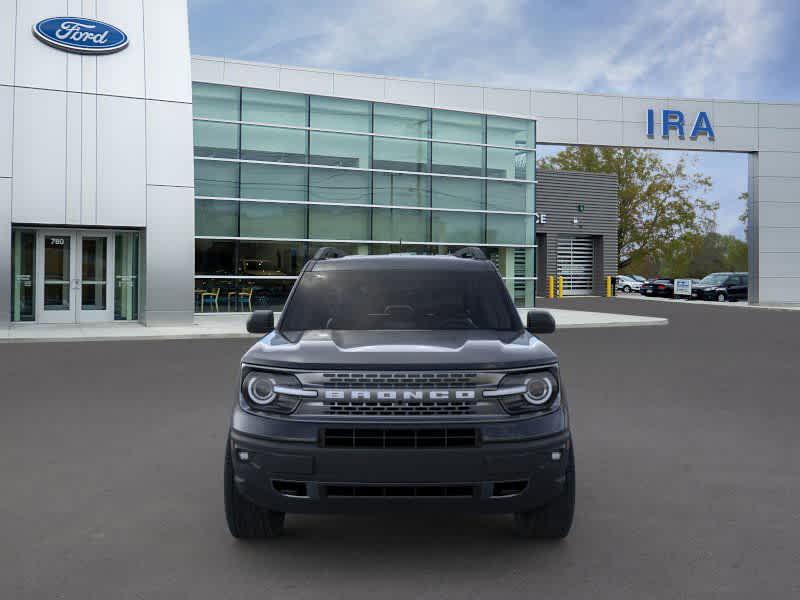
[[56, 277], [73, 275], [94, 300]]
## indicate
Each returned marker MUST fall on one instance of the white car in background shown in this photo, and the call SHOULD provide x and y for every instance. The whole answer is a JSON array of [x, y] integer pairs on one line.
[[628, 284]]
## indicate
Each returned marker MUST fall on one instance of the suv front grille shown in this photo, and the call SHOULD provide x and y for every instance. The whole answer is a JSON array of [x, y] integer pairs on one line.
[[399, 380], [356, 437], [410, 408]]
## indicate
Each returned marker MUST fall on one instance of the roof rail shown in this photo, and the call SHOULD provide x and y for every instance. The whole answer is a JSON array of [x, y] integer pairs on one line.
[[470, 252], [327, 252]]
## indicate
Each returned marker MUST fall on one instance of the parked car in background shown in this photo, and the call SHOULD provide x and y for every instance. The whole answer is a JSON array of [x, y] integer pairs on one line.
[[662, 288], [639, 278], [722, 287], [627, 284]]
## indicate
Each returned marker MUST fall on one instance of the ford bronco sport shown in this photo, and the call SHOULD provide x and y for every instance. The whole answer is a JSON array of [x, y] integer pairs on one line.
[[394, 382]]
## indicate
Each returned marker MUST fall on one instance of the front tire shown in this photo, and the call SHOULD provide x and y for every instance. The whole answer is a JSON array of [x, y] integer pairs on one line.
[[245, 519], [722, 297], [627, 289], [553, 520]]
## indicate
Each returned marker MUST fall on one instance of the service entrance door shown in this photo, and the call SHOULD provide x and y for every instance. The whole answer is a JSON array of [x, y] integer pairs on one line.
[[576, 264], [73, 272]]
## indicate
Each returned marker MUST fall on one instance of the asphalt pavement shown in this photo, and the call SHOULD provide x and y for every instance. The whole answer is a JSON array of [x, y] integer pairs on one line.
[[688, 470]]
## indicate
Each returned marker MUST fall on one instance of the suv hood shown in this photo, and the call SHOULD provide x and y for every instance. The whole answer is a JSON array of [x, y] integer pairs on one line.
[[402, 350]]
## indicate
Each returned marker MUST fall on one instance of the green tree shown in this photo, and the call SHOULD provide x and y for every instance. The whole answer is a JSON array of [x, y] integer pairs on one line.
[[659, 201]]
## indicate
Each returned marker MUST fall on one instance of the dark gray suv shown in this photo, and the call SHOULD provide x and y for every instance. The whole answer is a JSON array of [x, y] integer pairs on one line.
[[399, 382]]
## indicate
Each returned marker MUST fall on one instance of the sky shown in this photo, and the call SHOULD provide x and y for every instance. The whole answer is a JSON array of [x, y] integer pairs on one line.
[[732, 49]]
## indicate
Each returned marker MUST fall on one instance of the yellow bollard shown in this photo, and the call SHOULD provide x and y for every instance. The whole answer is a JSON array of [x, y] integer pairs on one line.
[[608, 287], [561, 286], [551, 287]]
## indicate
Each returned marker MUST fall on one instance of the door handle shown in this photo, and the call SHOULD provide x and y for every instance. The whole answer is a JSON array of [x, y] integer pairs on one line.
[[76, 284]]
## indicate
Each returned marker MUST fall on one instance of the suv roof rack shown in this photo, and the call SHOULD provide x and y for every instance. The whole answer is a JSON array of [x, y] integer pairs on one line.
[[327, 252], [470, 252]]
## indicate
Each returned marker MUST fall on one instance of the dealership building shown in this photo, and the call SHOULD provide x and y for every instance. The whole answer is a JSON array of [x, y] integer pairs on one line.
[[139, 183]]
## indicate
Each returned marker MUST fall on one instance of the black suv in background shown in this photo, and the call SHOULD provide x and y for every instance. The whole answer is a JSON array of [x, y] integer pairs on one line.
[[396, 382], [663, 288], [721, 287]]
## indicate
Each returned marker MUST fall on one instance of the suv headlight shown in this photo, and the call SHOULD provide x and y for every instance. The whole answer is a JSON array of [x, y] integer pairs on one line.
[[528, 392], [272, 392]]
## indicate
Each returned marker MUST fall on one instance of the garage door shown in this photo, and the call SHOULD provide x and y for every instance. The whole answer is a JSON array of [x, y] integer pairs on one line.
[[576, 264]]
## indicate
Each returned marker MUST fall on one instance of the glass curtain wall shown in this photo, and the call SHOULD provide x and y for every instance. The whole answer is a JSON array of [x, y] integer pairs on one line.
[[279, 174]]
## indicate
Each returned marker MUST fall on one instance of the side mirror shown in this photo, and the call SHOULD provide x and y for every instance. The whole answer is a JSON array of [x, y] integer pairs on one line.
[[261, 321], [540, 321]]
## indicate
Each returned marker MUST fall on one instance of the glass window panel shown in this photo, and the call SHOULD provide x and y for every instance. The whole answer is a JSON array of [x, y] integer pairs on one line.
[[457, 159], [336, 185], [272, 259], [23, 259], [268, 294], [337, 113], [215, 178], [260, 219], [281, 108], [339, 150], [506, 195], [338, 223], [509, 164], [273, 144], [400, 224], [512, 262], [216, 217], [457, 126], [507, 131], [211, 295], [401, 190], [273, 182], [452, 192], [457, 227], [220, 140], [508, 229], [215, 101], [214, 257], [126, 276], [407, 121], [400, 155], [348, 249]]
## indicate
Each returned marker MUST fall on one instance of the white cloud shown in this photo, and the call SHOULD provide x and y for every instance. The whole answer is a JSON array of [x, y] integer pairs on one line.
[[687, 47]]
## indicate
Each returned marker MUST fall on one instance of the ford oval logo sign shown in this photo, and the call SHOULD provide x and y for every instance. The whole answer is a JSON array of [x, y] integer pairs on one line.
[[76, 34]]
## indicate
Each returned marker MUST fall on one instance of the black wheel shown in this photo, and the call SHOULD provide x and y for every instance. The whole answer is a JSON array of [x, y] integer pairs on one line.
[[554, 519], [245, 519], [721, 297], [627, 289]]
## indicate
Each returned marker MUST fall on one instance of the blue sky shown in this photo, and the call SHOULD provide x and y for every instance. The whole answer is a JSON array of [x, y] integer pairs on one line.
[[740, 49]]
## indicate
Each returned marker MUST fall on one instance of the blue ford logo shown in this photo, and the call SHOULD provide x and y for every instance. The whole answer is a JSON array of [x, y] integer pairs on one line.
[[76, 34]]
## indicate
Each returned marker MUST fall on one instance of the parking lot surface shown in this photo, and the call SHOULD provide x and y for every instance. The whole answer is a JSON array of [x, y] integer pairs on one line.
[[688, 466]]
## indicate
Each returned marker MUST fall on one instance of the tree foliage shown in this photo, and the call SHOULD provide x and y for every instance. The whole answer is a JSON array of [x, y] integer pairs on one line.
[[660, 202], [694, 255]]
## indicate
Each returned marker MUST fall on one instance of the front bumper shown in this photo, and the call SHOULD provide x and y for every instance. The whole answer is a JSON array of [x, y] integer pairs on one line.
[[517, 465]]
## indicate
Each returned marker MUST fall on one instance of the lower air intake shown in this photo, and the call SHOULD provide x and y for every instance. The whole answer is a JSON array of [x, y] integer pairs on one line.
[[354, 437], [399, 491]]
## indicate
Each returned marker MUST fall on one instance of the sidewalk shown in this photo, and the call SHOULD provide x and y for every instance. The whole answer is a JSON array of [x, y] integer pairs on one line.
[[233, 326]]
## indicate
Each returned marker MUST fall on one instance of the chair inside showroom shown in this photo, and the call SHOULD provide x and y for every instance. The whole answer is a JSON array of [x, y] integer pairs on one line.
[[245, 298], [210, 298]]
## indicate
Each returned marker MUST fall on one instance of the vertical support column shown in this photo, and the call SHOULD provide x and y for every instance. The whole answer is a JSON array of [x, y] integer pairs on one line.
[[752, 227], [5, 250]]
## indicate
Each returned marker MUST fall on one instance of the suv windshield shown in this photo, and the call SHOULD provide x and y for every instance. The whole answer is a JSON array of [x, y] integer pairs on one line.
[[714, 279], [400, 300]]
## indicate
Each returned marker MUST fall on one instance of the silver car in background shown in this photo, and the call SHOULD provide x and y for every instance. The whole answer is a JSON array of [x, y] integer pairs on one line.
[[628, 284]]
